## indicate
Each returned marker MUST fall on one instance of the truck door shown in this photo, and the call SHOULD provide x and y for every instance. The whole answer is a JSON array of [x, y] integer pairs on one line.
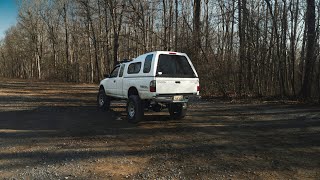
[[119, 82], [112, 82]]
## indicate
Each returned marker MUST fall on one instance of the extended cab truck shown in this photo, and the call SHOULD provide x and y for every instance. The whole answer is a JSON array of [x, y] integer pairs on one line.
[[154, 80]]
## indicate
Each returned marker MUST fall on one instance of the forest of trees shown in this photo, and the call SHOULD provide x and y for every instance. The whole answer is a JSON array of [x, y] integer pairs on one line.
[[242, 48]]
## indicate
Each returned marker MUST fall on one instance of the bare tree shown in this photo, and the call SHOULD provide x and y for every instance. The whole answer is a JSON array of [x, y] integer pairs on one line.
[[196, 29], [310, 57], [244, 48]]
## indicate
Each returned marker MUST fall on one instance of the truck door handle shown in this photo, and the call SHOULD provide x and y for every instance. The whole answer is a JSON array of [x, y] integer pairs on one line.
[[114, 81], [178, 82]]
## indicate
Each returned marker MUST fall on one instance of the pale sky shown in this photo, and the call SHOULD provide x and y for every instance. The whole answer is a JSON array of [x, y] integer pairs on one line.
[[8, 15]]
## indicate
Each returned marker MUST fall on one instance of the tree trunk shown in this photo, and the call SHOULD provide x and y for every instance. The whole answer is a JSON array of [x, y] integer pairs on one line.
[[196, 30], [241, 27], [176, 26], [310, 58], [165, 47], [95, 45], [106, 50], [66, 42], [294, 25]]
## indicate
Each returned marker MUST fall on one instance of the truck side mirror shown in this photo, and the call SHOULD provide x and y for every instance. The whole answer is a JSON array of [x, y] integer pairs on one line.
[[106, 75]]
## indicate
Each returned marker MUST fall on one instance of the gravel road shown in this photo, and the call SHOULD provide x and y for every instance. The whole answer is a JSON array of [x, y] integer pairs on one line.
[[54, 131]]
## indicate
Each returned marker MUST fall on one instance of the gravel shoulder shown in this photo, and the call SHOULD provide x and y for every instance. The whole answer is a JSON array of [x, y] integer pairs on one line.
[[54, 131]]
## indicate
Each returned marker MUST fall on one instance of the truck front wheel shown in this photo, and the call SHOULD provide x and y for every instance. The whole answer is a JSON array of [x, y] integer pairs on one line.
[[135, 109], [103, 100], [177, 110]]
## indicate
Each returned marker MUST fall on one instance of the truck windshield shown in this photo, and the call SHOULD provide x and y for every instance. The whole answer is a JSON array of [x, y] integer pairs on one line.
[[174, 66]]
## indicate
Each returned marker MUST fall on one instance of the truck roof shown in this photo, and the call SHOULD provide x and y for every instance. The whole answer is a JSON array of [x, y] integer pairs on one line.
[[159, 52]]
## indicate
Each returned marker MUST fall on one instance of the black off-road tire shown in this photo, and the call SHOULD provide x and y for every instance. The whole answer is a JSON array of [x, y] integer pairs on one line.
[[135, 109], [177, 110], [103, 100]]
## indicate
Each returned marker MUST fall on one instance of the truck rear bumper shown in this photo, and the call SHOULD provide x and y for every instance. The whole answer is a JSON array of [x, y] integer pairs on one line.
[[176, 98]]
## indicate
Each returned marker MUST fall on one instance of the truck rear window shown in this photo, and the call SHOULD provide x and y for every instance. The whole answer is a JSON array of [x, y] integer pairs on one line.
[[174, 66]]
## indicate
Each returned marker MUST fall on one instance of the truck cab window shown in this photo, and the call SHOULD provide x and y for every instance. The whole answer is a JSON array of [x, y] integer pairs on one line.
[[147, 64], [121, 70], [134, 68], [114, 73]]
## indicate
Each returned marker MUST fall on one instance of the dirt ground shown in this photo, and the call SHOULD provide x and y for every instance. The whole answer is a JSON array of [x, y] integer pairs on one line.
[[54, 131]]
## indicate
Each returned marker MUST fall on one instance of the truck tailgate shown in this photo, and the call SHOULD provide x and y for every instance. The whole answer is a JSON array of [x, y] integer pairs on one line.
[[176, 85]]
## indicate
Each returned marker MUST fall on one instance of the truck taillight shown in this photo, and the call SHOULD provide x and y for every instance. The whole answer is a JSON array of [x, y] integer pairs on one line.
[[153, 86], [198, 88]]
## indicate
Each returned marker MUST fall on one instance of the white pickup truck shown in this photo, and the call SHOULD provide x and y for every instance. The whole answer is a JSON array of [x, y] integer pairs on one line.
[[154, 80]]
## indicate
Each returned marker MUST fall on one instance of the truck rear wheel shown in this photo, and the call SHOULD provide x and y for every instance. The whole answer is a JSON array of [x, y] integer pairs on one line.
[[103, 100], [177, 110], [135, 109]]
